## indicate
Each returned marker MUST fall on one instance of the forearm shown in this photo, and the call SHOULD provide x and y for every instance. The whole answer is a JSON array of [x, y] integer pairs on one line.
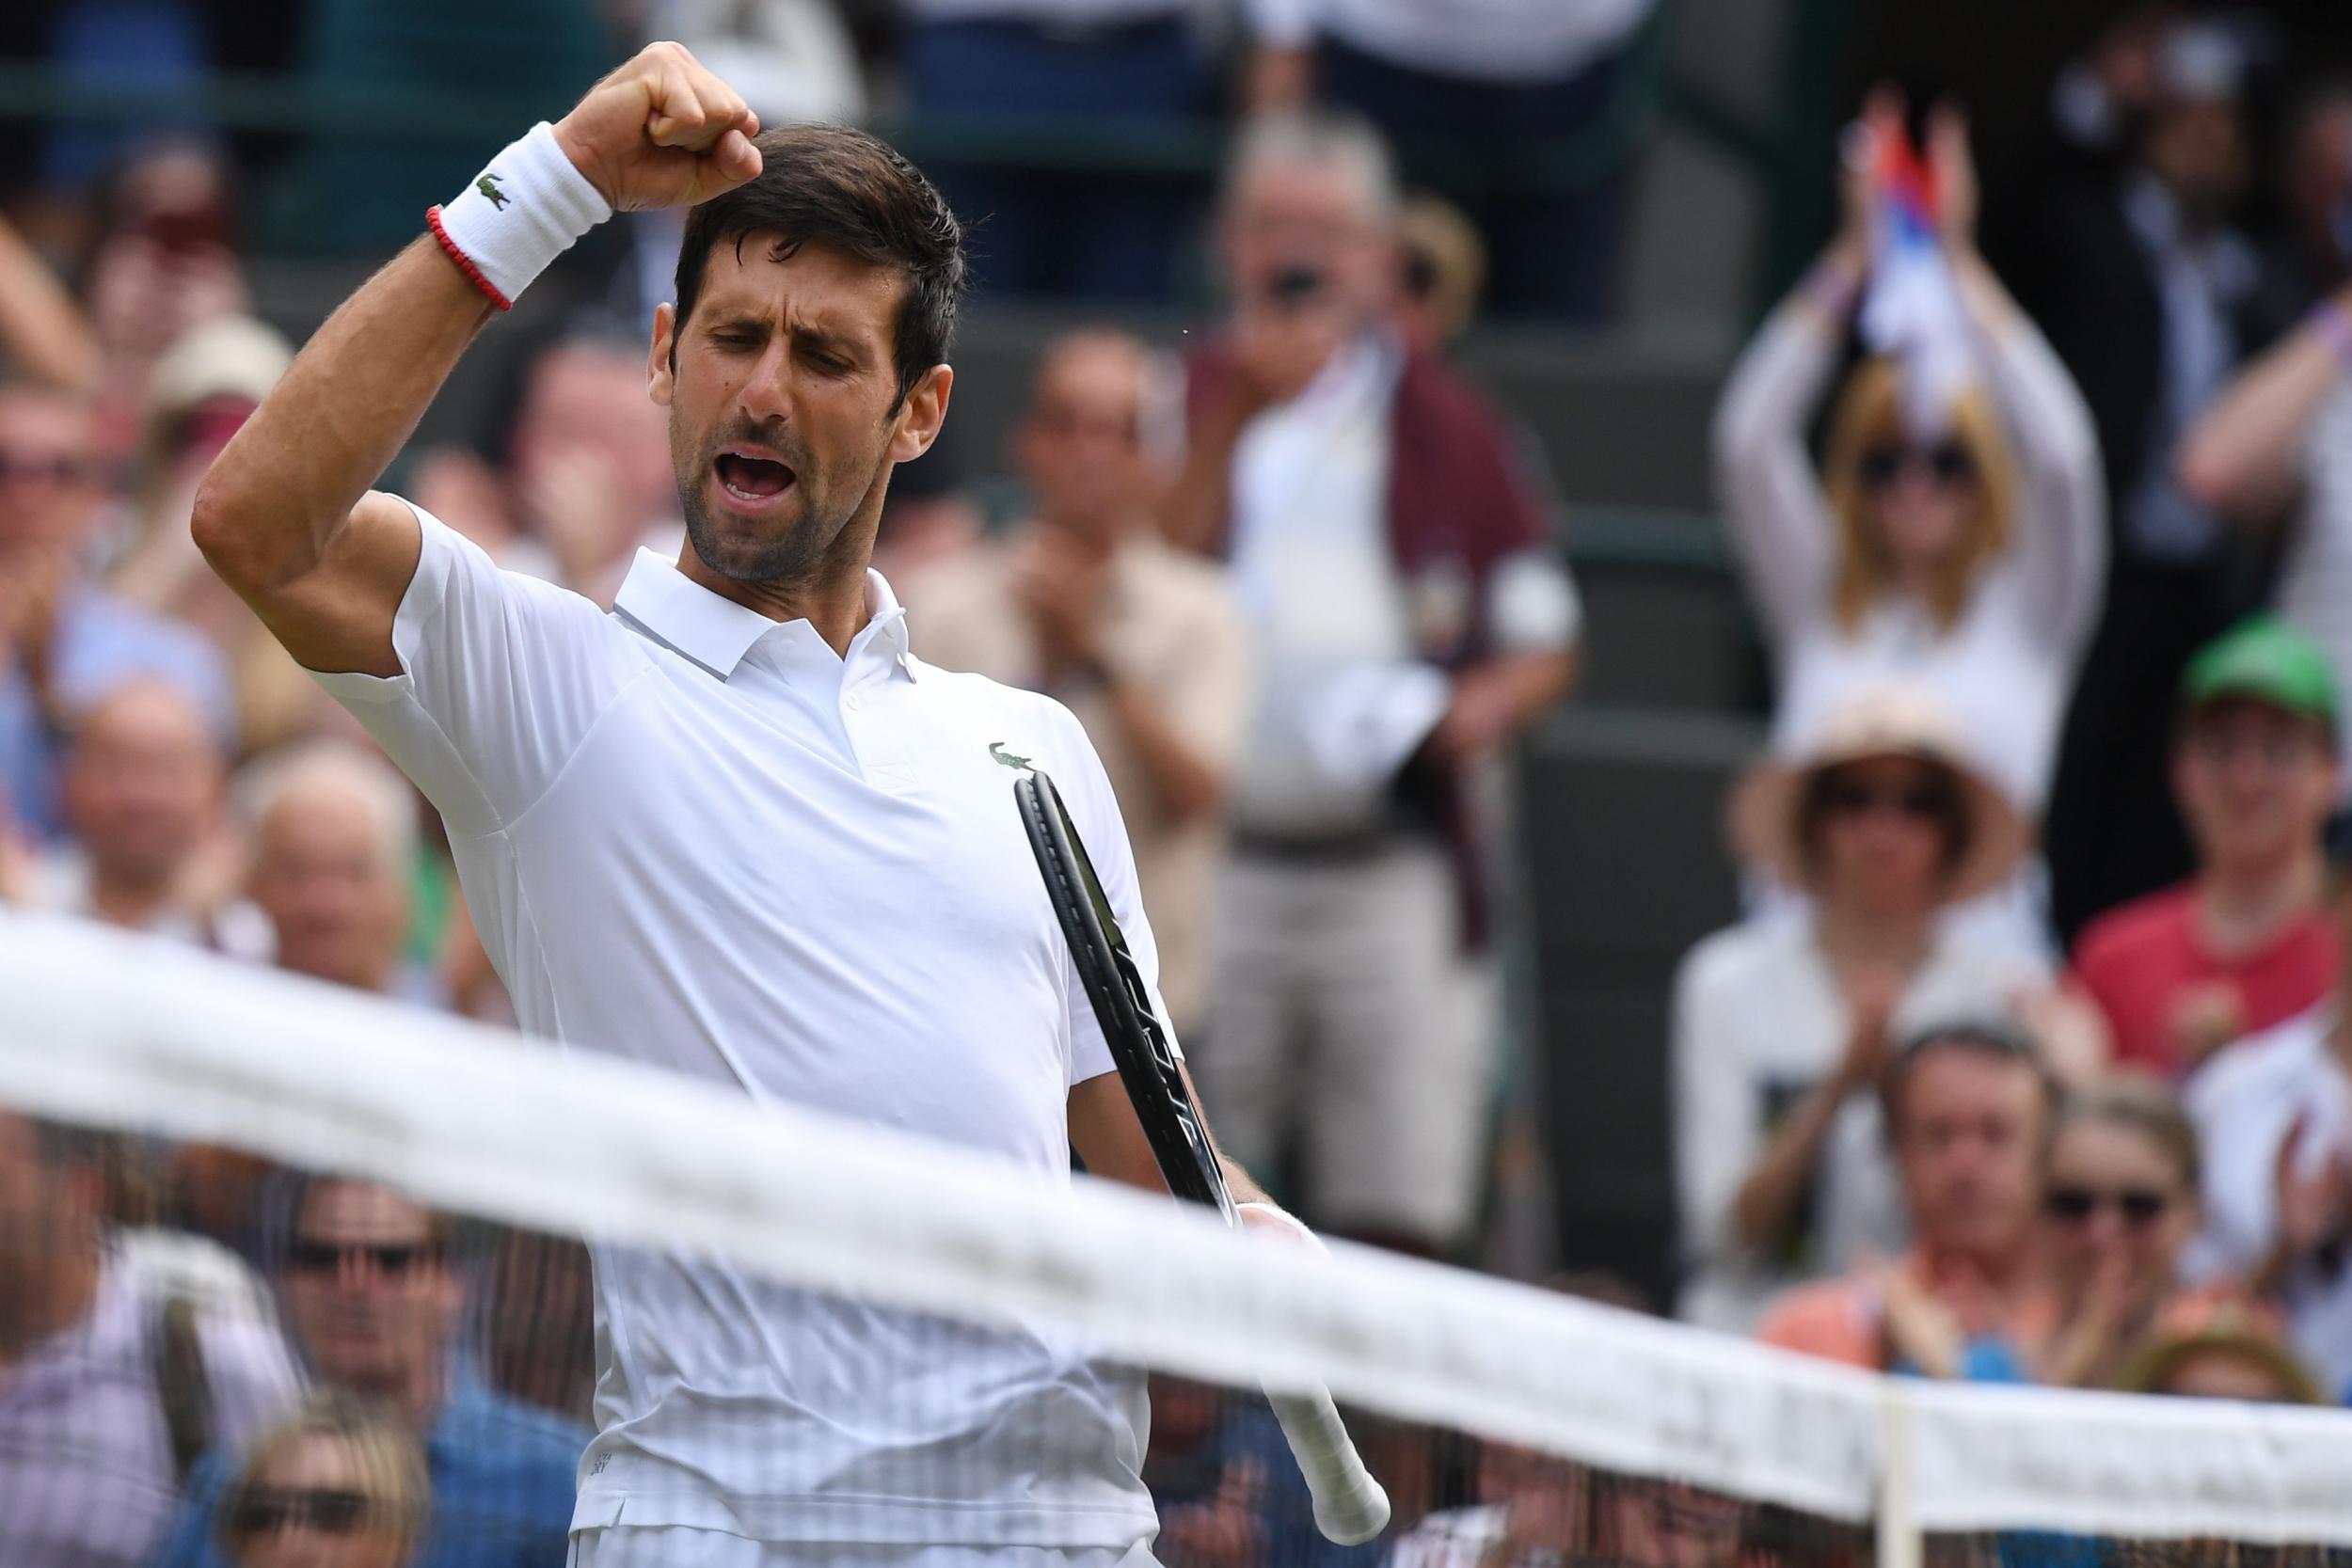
[[1769, 1196], [2242, 455], [1193, 510], [43, 330], [1533, 682], [271, 505], [1184, 784]]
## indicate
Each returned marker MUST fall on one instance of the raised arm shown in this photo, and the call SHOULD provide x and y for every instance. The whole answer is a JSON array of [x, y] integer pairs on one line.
[[2243, 456], [1764, 482], [286, 516], [2058, 558]]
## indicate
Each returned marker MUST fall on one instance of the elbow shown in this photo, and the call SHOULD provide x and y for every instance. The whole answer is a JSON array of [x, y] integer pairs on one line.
[[2206, 475], [211, 523], [1200, 793]]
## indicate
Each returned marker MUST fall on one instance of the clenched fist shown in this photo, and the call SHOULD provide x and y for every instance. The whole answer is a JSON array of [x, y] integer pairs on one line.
[[660, 131]]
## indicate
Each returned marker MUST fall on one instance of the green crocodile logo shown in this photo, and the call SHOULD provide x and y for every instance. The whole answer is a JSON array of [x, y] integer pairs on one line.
[[489, 185], [997, 750]]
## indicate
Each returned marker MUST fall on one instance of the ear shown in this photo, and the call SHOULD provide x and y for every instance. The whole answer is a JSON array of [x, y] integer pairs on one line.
[[660, 380], [921, 415]]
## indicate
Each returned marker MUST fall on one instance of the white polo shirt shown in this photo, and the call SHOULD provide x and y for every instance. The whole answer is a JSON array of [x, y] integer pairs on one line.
[[696, 836]]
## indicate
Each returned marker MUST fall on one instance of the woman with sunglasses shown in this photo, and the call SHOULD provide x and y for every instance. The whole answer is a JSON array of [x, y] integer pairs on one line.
[[339, 1484], [2119, 1206], [1969, 555], [1781, 1027]]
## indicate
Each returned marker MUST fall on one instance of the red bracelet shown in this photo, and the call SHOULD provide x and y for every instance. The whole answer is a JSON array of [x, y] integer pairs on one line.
[[465, 263]]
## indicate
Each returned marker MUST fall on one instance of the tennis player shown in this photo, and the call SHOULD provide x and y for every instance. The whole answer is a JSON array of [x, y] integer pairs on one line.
[[733, 827]]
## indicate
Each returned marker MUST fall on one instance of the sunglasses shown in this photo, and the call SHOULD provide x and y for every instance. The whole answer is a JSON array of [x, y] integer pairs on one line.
[[320, 1509], [2138, 1206], [1919, 802], [1947, 463], [24, 467], [393, 1260]]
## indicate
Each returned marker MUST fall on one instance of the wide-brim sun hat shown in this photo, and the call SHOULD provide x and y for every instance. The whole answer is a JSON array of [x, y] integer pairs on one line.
[[1896, 721]]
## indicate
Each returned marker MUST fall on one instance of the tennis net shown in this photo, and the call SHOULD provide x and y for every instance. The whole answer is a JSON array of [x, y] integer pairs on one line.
[[275, 1260]]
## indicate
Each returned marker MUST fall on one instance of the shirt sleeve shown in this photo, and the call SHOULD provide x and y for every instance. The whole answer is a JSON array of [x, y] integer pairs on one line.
[[2241, 1106], [253, 1378], [2058, 560], [502, 678], [187, 1543], [1771, 499], [1086, 790], [1716, 1128]]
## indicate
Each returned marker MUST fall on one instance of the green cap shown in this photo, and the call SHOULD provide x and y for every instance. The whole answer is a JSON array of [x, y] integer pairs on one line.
[[2265, 658]]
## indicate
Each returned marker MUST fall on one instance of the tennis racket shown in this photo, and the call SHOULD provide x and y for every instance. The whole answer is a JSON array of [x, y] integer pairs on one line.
[[1350, 1507]]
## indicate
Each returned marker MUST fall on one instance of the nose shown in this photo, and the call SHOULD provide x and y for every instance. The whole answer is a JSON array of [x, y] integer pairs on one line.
[[762, 397]]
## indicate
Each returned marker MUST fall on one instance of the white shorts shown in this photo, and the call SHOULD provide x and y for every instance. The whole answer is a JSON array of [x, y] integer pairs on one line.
[[648, 1547]]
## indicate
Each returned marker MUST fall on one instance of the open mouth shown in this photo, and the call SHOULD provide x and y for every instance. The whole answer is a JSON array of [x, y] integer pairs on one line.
[[751, 478]]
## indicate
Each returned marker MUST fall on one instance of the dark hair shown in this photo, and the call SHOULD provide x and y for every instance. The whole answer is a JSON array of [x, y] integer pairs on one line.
[[1984, 1035], [846, 188]]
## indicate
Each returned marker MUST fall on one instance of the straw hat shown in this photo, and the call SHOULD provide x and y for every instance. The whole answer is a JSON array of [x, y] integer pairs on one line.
[[1893, 722], [228, 357], [2199, 1323]]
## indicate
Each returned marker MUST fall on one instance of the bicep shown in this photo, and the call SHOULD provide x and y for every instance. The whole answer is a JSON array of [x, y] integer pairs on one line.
[[337, 617]]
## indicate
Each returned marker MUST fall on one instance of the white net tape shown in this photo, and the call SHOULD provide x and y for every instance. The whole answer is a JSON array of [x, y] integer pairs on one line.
[[105, 1030]]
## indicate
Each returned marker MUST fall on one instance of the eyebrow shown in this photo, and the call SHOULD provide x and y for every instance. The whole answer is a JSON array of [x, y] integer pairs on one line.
[[817, 336]]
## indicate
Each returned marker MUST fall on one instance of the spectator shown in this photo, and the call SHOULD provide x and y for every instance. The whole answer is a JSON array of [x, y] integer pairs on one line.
[[1969, 1112], [2274, 1112], [64, 642], [339, 1484], [115, 1379], [143, 804], [2244, 945], [334, 832], [203, 388], [2221, 1351], [2137, 273], [2277, 444], [1967, 560], [1412, 616], [1480, 97], [2121, 1206], [1146, 645], [165, 265], [374, 1297], [1782, 1026], [43, 336], [1131, 72]]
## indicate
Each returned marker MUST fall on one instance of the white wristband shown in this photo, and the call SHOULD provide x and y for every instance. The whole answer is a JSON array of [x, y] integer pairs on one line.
[[525, 208], [1288, 1219]]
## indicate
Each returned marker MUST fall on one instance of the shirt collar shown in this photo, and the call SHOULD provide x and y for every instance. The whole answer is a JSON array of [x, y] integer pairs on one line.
[[716, 632]]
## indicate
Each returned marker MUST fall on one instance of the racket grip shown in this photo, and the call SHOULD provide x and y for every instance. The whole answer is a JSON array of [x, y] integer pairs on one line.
[[1350, 1507]]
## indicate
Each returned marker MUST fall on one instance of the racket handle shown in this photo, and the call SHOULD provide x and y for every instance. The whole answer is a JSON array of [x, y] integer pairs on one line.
[[1350, 1507]]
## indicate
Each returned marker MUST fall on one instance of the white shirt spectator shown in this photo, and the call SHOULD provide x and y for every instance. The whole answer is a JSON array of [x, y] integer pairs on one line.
[[2245, 1100], [1316, 577], [1759, 1020], [696, 836], [2005, 666], [1500, 40]]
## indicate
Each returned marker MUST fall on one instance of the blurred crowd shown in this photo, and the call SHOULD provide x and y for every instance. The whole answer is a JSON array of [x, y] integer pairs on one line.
[[2023, 1062]]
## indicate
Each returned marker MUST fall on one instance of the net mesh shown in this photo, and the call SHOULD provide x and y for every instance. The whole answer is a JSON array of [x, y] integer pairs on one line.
[[284, 1265]]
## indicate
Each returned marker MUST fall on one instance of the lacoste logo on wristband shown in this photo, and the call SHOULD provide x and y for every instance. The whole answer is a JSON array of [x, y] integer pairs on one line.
[[489, 185]]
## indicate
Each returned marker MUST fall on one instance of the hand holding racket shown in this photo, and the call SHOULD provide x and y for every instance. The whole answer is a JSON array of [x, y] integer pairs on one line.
[[1350, 1507]]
